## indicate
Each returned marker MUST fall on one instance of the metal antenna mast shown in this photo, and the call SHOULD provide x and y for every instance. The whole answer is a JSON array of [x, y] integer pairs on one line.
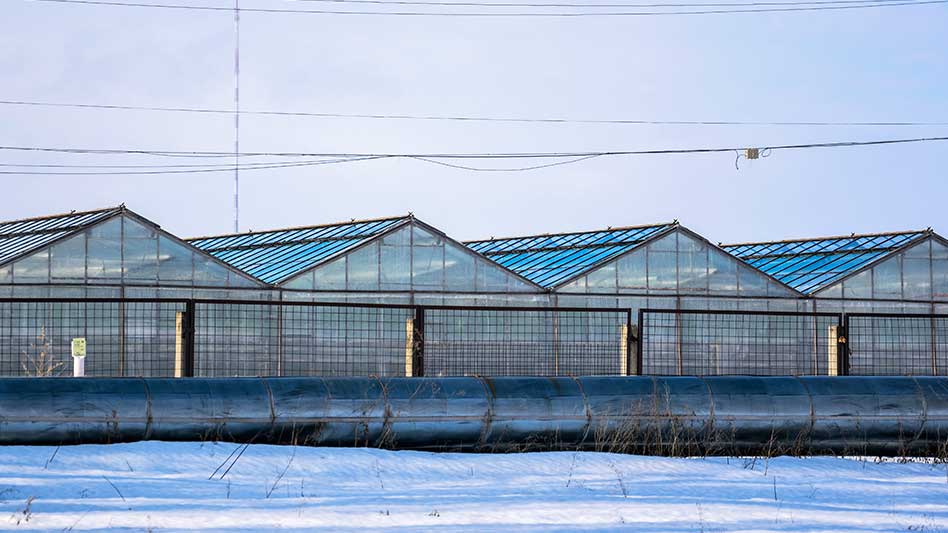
[[236, 116]]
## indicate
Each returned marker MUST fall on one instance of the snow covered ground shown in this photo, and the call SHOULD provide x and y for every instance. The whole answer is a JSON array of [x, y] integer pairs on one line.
[[177, 486]]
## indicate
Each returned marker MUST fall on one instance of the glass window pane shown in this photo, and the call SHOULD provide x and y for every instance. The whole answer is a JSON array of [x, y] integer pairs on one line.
[[631, 270], [68, 260], [858, 286], [722, 273], [32, 269], [939, 271], [208, 272], [395, 256], [141, 252], [751, 283], [331, 276], [887, 279], [662, 268], [175, 262], [421, 237], [458, 269], [578, 286], [668, 243], [602, 279], [491, 279], [304, 282], [427, 266], [692, 264], [916, 278], [105, 251], [363, 268]]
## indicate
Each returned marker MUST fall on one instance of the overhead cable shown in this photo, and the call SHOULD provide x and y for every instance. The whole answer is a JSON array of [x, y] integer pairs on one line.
[[868, 4], [473, 118], [434, 158]]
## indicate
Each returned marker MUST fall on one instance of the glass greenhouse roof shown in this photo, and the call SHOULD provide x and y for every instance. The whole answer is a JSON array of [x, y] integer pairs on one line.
[[809, 265], [549, 260], [18, 237], [273, 256]]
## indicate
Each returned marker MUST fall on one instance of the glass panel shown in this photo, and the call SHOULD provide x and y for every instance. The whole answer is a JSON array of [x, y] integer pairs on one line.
[[578, 285], [105, 251], [32, 269], [174, 262], [776, 289], [459, 269], [236, 280], [602, 279], [751, 283], [363, 268], [304, 282], [427, 266], [6, 275], [395, 258], [858, 286], [491, 279], [916, 278], [140, 251], [209, 272], [835, 291], [722, 273], [887, 279], [68, 260], [939, 271], [331, 276], [692, 264], [668, 243], [422, 237], [631, 270], [662, 268], [939, 251]]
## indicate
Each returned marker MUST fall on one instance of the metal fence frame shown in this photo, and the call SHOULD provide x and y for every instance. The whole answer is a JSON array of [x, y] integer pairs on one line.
[[189, 324], [929, 335]]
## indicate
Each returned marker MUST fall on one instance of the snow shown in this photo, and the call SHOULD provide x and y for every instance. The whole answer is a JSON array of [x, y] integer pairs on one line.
[[225, 486]]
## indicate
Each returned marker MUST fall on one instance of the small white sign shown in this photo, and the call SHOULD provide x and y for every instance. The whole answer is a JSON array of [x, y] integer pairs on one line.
[[79, 347]]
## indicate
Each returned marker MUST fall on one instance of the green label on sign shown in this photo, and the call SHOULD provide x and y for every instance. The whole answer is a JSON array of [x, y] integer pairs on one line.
[[79, 347]]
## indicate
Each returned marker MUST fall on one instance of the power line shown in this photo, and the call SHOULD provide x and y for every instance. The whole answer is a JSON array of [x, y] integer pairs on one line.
[[594, 6], [511, 14], [463, 118], [229, 168], [471, 156]]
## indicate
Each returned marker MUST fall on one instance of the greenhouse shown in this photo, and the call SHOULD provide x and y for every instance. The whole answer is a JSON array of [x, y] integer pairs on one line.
[[396, 296]]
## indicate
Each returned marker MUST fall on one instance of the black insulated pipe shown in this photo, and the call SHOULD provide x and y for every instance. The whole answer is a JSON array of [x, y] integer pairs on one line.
[[655, 415]]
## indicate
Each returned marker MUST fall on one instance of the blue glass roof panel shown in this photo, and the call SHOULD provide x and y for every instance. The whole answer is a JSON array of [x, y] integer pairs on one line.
[[20, 237], [549, 260], [810, 265], [277, 255]]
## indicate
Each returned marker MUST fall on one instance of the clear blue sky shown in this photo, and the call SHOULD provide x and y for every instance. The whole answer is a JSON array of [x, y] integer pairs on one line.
[[886, 64]]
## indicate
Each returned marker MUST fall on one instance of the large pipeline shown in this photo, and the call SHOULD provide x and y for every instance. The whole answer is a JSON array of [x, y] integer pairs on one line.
[[673, 415]]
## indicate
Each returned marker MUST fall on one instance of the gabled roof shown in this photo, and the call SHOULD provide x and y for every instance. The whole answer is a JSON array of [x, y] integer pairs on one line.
[[551, 259], [809, 265], [276, 255], [21, 237]]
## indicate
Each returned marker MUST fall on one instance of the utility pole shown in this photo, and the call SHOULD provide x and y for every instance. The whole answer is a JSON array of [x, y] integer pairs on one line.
[[236, 116]]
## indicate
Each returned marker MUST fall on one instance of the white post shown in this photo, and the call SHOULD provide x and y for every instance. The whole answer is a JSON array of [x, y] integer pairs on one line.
[[78, 357]]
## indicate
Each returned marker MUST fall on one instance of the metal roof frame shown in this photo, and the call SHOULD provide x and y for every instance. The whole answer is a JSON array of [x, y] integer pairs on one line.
[[113, 212], [409, 220], [578, 271], [926, 235], [107, 214], [814, 256], [676, 226], [268, 249]]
